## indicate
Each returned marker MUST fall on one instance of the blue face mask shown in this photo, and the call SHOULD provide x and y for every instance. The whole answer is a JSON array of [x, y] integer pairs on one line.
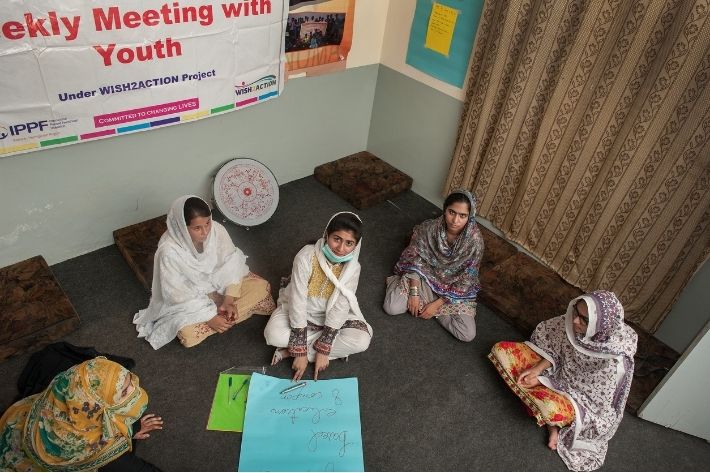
[[334, 258]]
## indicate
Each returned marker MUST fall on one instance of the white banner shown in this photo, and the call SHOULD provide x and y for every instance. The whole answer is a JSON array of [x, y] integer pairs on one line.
[[77, 70]]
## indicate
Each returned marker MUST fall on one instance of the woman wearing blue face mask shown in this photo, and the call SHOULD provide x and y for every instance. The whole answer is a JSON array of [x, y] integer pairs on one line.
[[318, 318]]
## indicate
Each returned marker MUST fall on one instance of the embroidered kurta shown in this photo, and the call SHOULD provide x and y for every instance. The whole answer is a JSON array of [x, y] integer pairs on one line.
[[183, 278], [311, 297], [593, 370], [310, 291]]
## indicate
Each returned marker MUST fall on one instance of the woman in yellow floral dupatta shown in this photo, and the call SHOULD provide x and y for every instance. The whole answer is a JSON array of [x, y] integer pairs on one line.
[[82, 421]]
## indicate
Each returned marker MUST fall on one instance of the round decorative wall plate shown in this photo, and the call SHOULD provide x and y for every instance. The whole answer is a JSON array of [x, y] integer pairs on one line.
[[246, 192]]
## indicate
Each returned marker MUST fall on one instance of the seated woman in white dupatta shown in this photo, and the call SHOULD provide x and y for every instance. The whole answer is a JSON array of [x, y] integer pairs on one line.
[[318, 318], [201, 282], [574, 375]]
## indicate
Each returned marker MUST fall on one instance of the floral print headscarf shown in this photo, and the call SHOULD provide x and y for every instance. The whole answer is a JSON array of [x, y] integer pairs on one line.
[[593, 370], [451, 271], [82, 421]]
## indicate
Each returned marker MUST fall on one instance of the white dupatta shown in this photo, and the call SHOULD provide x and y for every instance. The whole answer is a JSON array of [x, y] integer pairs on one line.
[[342, 303], [183, 278], [350, 269]]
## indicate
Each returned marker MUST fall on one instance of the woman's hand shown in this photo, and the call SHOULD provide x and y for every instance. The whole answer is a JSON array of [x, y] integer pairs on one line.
[[220, 324], [431, 309], [300, 363], [228, 309], [414, 305], [529, 378], [148, 422], [321, 364]]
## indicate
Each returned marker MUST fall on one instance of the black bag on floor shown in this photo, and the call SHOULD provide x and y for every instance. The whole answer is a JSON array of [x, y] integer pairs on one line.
[[51, 360]]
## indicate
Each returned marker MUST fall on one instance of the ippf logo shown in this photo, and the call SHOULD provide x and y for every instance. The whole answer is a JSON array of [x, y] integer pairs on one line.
[[22, 128]]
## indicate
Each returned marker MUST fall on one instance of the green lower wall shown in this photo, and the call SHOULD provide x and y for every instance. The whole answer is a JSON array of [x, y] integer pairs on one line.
[[689, 314], [67, 201], [413, 128]]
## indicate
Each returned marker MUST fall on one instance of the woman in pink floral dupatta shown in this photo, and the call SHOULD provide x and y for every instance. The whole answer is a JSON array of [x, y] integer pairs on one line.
[[575, 374]]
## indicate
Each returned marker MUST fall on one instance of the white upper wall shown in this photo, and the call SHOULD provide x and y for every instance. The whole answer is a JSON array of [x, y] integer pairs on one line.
[[368, 32]]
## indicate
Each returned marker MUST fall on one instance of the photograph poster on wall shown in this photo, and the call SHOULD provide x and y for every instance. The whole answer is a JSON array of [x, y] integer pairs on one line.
[[318, 36]]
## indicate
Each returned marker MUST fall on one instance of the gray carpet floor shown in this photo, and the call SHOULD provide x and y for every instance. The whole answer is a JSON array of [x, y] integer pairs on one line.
[[428, 402]]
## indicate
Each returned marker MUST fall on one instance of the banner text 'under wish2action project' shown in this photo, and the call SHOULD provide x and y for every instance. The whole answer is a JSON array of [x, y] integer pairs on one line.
[[75, 70]]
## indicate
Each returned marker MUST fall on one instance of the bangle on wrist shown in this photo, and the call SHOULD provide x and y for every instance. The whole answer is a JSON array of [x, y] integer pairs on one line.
[[413, 291]]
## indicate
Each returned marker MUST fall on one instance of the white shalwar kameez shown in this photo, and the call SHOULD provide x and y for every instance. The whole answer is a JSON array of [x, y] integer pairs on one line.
[[183, 278], [320, 308]]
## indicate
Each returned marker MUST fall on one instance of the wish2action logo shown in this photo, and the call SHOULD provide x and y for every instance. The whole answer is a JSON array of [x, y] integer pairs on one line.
[[258, 85]]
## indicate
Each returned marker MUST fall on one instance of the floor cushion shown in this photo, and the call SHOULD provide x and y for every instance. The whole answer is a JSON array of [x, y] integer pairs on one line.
[[34, 309], [138, 243], [363, 179]]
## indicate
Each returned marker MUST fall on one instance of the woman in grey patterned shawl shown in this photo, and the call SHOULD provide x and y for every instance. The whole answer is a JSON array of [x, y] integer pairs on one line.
[[587, 356], [437, 273]]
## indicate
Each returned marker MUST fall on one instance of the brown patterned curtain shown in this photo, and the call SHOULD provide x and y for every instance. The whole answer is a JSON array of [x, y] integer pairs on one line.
[[585, 136]]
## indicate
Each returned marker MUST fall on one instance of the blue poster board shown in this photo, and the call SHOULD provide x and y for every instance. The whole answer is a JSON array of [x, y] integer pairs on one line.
[[452, 68], [313, 428]]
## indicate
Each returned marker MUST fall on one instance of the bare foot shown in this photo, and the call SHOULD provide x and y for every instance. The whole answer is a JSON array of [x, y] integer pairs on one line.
[[279, 354], [554, 436]]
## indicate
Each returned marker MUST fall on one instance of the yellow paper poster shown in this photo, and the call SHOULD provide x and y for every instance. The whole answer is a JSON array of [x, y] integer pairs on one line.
[[441, 28]]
